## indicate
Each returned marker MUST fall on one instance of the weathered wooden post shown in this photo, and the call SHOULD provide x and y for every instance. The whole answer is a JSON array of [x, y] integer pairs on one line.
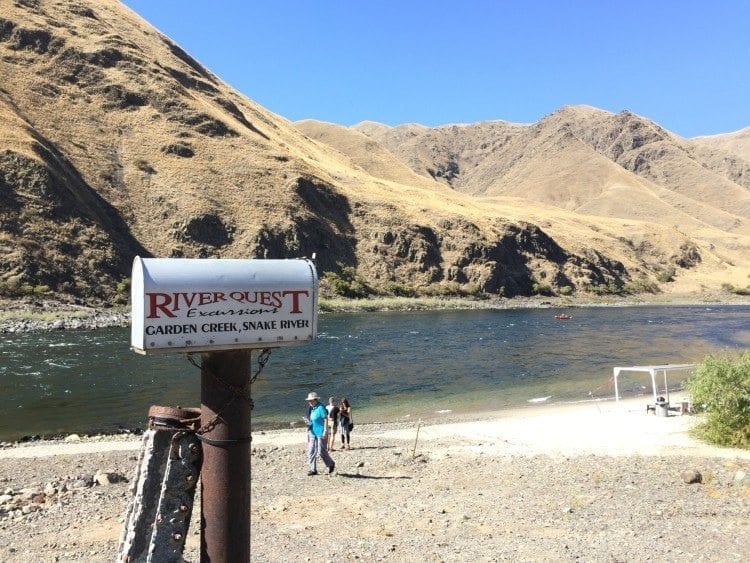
[[163, 488], [223, 309]]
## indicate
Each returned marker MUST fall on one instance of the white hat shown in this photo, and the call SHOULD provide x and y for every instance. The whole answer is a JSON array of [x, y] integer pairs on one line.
[[312, 395]]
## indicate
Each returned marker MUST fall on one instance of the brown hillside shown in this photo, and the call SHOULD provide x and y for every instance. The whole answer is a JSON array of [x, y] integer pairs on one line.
[[592, 162], [115, 142], [737, 144], [729, 152], [572, 157]]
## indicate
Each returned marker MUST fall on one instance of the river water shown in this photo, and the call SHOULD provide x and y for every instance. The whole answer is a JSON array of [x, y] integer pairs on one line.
[[390, 365]]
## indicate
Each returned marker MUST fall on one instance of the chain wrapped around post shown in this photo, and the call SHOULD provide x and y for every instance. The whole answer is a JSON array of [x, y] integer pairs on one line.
[[236, 392], [263, 358], [163, 490]]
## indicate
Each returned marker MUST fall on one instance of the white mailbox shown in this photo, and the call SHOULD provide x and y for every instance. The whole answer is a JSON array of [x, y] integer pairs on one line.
[[191, 305]]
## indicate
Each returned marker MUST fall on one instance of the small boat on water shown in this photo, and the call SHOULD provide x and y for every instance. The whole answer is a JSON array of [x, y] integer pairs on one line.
[[563, 316]]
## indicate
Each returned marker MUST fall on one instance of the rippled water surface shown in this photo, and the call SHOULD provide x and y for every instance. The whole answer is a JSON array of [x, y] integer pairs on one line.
[[391, 366]]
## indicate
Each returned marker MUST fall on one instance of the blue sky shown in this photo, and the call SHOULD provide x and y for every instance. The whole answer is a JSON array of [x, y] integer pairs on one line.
[[685, 64]]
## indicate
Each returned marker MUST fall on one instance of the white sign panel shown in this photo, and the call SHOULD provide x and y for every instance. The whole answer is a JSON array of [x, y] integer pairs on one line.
[[189, 305]]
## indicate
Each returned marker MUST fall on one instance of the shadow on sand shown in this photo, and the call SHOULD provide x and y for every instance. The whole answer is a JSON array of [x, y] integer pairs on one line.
[[358, 476]]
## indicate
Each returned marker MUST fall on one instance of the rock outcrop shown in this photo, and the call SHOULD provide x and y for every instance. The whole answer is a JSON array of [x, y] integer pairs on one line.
[[116, 142]]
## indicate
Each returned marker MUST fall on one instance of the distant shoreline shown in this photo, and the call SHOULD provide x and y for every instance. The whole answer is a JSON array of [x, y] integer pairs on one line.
[[21, 316], [437, 303]]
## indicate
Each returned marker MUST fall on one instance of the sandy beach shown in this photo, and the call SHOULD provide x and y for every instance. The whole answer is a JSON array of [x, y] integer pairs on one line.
[[588, 482], [606, 428], [596, 481]]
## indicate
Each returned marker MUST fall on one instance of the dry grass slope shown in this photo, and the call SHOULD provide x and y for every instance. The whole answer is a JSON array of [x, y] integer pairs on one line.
[[116, 143]]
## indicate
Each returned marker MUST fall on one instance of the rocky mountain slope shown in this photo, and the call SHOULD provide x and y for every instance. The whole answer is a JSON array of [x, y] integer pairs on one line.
[[737, 143], [587, 161], [115, 143], [594, 164]]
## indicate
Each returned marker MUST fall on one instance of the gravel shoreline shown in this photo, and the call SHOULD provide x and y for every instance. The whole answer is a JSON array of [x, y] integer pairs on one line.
[[516, 508], [588, 482], [492, 489], [21, 316], [92, 321]]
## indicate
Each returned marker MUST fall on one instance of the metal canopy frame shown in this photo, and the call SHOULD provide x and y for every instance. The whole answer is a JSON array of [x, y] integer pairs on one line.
[[652, 370]]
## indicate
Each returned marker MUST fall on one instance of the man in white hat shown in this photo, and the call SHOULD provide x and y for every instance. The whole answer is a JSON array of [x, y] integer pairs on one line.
[[316, 435]]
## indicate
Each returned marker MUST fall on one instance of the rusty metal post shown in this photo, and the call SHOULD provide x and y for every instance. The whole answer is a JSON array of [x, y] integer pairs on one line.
[[225, 476]]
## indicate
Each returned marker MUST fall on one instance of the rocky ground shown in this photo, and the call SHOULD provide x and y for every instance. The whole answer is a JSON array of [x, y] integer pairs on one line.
[[507, 508], [488, 489], [56, 506], [572, 483], [18, 316], [53, 508]]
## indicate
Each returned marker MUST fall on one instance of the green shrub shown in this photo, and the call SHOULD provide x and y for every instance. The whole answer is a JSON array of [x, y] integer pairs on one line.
[[603, 289], [346, 283], [122, 291], [472, 289], [641, 285], [16, 290], [540, 288], [565, 290], [452, 289], [398, 289], [666, 276], [40, 289], [443, 289], [720, 387], [123, 286]]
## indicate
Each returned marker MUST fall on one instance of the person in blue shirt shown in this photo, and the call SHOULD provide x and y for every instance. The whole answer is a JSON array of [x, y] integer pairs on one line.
[[316, 435]]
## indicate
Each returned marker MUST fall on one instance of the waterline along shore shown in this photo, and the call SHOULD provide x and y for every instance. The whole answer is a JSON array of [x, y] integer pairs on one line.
[[393, 365], [24, 315]]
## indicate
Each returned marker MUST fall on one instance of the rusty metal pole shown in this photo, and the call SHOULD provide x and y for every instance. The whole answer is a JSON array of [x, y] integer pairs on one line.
[[225, 476]]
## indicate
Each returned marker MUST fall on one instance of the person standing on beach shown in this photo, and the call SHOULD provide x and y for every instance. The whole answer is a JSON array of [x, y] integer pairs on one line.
[[316, 435], [346, 423], [333, 422]]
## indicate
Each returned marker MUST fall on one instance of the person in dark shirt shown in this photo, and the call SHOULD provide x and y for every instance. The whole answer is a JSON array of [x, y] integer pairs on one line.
[[346, 423], [333, 422]]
